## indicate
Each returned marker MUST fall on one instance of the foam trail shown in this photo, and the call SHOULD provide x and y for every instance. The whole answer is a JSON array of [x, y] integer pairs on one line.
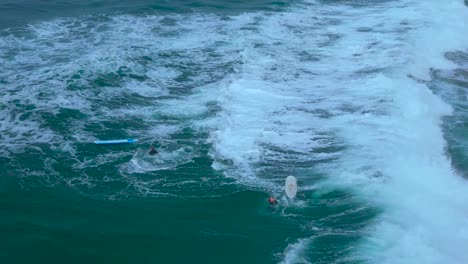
[[293, 251]]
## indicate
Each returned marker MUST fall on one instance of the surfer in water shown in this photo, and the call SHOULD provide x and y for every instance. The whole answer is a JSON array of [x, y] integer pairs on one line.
[[152, 151], [272, 201]]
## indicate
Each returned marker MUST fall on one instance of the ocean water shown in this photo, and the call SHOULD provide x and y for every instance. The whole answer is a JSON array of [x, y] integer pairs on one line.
[[364, 102]]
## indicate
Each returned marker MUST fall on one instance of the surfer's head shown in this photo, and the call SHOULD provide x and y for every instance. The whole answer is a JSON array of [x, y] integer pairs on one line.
[[152, 151], [272, 200]]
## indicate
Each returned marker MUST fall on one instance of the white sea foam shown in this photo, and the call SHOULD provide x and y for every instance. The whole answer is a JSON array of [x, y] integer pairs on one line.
[[164, 160], [398, 159], [293, 252], [56, 66], [442, 28], [353, 91]]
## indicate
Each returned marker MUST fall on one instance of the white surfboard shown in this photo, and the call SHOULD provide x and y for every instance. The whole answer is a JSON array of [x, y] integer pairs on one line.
[[290, 187]]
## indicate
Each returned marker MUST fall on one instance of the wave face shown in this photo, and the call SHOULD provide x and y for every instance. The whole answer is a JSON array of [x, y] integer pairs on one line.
[[360, 101], [348, 104]]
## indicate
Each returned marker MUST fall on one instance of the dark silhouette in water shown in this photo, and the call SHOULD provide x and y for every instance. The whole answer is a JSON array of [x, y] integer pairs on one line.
[[152, 151]]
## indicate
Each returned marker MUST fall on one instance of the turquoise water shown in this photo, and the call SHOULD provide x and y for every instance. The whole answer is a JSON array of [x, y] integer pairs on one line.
[[364, 102]]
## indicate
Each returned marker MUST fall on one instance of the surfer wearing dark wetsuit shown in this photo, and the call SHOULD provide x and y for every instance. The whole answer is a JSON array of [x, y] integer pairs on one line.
[[152, 151]]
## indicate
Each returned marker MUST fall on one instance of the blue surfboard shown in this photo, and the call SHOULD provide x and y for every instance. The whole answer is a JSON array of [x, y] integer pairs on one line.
[[116, 141]]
